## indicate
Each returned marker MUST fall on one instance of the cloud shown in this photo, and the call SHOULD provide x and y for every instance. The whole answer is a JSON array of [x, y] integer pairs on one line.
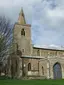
[[50, 23], [45, 16], [11, 9]]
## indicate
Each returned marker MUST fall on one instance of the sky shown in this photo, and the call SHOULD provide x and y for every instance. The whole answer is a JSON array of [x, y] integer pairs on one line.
[[45, 16]]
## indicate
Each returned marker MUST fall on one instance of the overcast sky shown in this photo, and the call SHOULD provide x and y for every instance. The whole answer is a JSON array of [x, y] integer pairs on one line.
[[45, 16]]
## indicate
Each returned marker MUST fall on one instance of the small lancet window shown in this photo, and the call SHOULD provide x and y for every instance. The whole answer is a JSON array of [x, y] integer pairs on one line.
[[17, 46], [23, 32], [38, 52], [16, 65], [42, 70], [29, 66]]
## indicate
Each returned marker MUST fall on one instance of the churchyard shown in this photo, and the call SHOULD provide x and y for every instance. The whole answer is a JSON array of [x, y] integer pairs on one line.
[[31, 82]]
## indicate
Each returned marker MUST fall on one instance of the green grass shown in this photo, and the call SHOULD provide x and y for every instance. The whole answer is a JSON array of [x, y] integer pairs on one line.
[[31, 82]]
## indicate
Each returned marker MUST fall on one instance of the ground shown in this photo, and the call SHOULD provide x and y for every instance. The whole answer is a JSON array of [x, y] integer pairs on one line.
[[31, 82]]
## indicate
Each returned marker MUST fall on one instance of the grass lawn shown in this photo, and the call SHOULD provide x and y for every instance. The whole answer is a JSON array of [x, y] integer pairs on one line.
[[31, 82]]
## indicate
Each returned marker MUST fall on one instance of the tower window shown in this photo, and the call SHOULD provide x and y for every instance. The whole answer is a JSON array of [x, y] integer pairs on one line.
[[23, 32], [22, 50]]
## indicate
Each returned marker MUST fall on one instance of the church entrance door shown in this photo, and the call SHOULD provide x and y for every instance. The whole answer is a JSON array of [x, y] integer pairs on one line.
[[57, 71]]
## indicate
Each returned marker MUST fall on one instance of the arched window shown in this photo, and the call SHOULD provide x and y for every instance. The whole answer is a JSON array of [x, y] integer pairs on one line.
[[22, 32], [42, 70], [38, 52], [29, 66]]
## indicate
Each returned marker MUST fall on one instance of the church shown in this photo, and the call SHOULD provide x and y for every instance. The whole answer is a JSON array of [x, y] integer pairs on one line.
[[30, 61]]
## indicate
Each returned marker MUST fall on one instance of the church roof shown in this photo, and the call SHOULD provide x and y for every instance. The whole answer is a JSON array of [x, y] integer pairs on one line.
[[48, 47]]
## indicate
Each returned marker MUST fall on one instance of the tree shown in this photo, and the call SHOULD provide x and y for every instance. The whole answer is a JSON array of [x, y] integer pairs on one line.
[[5, 39]]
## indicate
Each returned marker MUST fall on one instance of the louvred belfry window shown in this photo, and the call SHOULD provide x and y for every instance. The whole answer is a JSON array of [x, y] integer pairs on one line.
[[23, 32]]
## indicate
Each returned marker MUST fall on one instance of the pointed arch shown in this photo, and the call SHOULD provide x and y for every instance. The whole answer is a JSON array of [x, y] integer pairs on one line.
[[23, 32], [29, 66], [38, 52], [57, 72], [42, 70]]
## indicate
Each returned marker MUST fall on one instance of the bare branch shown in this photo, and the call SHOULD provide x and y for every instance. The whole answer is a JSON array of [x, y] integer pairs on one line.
[[6, 37]]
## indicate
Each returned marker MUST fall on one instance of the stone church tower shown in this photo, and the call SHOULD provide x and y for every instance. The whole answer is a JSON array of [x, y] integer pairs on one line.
[[22, 35], [22, 42]]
